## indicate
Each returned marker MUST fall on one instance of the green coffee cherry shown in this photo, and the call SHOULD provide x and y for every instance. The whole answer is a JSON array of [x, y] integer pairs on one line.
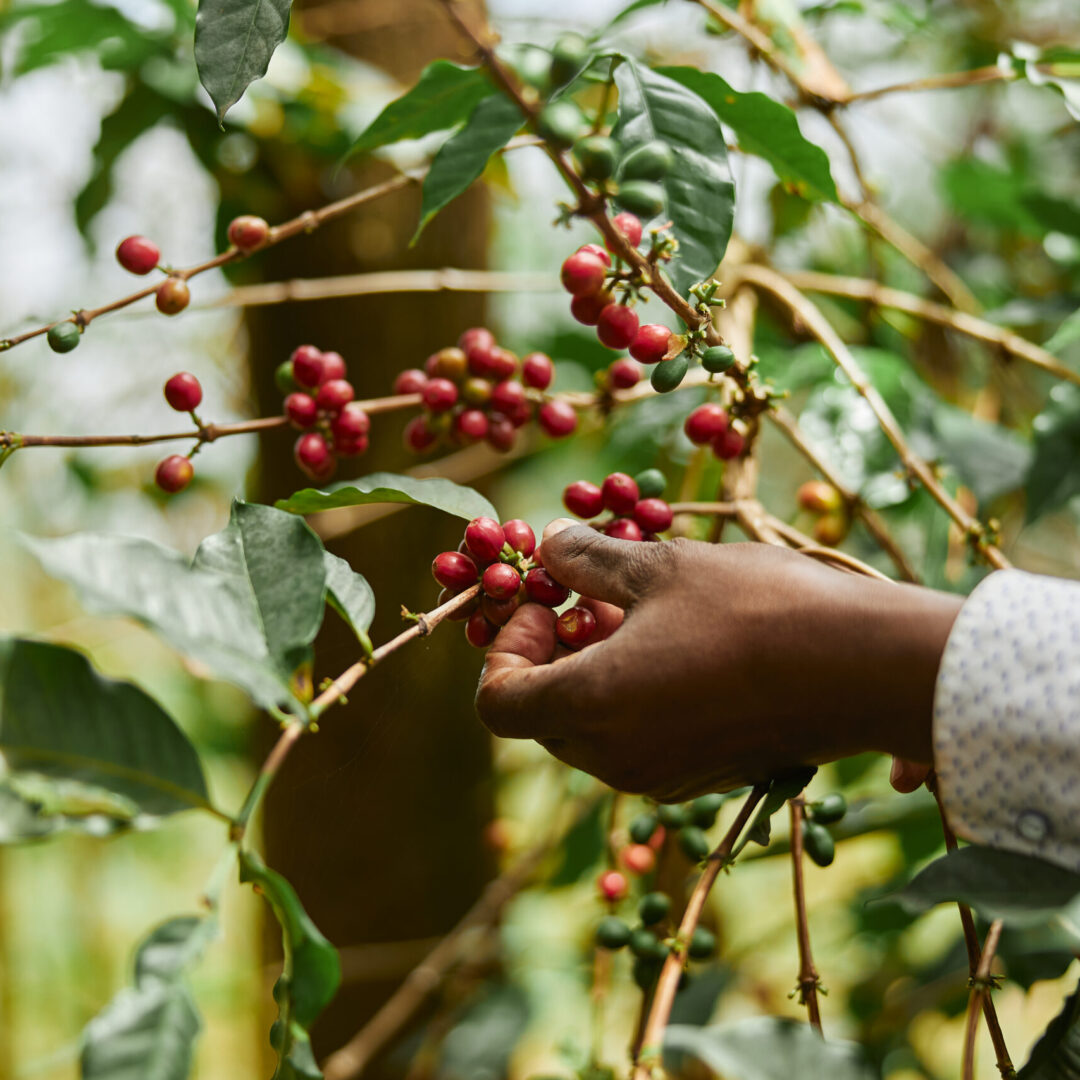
[[654, 907], [668, 374], [818, 842], [533, 67], [597, 156], [703, 810], [612, 933], [717, 359], [569, 55], [641, 197], [671, 815], [283, 378], [645, 944], [702, 944], [561, 123], [650, 161], [694, 842], [63, 337], [828, 810], [646, 972], [642, 828], [651, 483]]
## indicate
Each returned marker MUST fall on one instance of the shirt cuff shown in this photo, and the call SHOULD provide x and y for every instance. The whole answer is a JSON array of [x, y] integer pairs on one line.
[[1007, 717]]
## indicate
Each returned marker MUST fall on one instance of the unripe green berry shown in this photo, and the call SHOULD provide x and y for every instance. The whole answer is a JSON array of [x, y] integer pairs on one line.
[[703, 810], [283, 378], [717, 359], [829, 809], [668, 374], [654, 908], [671, 815], [702, 944], [650, 161], [612, 933], [651, 483], [642, 197], [642, 827], [569, 55], [597, 156], [694, 843], [645, 944], [818, 842], [561, 123], [533, 67], [646, 972], [63, 337]]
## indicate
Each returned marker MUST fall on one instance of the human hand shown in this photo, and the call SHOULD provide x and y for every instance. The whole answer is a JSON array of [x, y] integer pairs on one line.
[[716, 665]]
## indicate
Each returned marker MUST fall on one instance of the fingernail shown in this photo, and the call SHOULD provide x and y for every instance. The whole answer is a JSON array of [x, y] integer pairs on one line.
[[555, 527]]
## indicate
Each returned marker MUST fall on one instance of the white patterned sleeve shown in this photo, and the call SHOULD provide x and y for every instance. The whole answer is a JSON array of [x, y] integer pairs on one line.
[[1007, 717]]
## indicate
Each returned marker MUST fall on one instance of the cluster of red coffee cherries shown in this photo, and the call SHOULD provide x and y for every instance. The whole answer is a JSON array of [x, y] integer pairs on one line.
[[503, 561], [477, 390], [319, 402], [184, 393], [710, 425], [832, 520], [637, 511]]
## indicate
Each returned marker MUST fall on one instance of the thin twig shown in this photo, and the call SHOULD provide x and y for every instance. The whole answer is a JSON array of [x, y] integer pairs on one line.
[[808, 980], [982, 983], [668, 981], [950, 81]]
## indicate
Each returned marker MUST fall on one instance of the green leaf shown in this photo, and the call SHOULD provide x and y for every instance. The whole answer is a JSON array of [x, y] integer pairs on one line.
[[248, 607], [631, 9], [989, 195], [1056, 1056], [463, 156], [234, 40], [148, 1031], [381, 487], [781, 789], [350, 595], [34, 807], [766, 1048], [1066, 334], [699, 192], [60, 718], [1054, 476], [311, 973], [443, 97], [988, 458], [1019, 889], [766, 128]]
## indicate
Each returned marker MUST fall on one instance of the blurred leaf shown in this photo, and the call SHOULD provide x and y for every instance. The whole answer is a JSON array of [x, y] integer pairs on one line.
[[695, 1004], [781, 789], [1054, 475], [248, 607], [1057, 66], [481, 1042], [699, 191], [60, 718], [234, 41], [1054, 215], [1019, 889], [766, 128], [988, 458], [767, 1048], [630, 9], [1066, 334], [1035, 953], [1056, 1056], [172, 947], [443, 97], [350, 595], [582, 847], [382, 487], [984, 193], [36, 807], [462, 158]]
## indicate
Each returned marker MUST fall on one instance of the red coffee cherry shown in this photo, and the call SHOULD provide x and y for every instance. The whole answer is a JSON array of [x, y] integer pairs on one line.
[[311, 451], [484, 538], [499, 612], [502, 364], [623, 528], [334, 395], [501, 434], [462, 613], [620, 494], [454, 571], [542, 588], [582, 274], [613, 886], [483, 359], [729, 445], [183, 392], [351, 424], [653, 515], [501, 581], [138, 255], [650, 343], [507, 397], [476, 337], [301, 410], [173, 473], [617, 326], [629, 225], [537, 370], [520, 536], [638, 858], [471, 424], [417, 436], [172, 296], [307, 366], [575, 626], [706, 423], [439, 395], [598, 251], [333, 367], [410, 381], [583, 499], [447, 363], [586, 309], [521, 414], [819, 497], [248, 232], [557, 419], [479, 632], [351, 447], [624, 373]]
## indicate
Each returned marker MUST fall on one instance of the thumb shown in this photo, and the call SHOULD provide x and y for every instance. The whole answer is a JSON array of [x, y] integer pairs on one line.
[[616, 571]]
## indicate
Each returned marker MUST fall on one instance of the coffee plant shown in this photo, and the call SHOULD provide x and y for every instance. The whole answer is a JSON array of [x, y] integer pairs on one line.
[[929, 428]]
